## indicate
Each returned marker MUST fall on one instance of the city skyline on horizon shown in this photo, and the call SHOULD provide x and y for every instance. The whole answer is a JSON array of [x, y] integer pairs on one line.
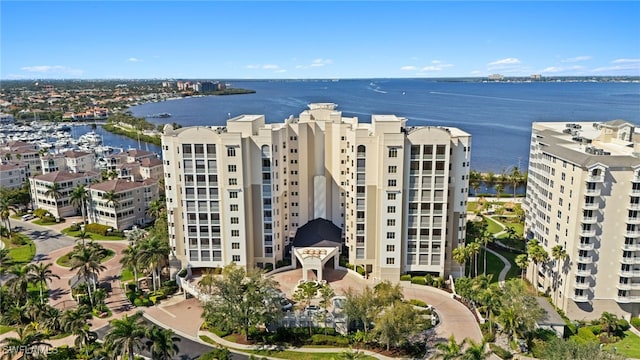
[[354, 40]]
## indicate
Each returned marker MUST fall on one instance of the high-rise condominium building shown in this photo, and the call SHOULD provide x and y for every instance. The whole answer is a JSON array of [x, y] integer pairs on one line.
[[583, 194], [316, 186]]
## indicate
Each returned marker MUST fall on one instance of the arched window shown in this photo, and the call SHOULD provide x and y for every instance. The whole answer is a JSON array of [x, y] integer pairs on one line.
[[362, 150]]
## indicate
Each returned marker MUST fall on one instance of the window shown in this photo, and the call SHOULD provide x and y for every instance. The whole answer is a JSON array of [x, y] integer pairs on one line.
[[391, 222], [235, 258], [393, 169], [233, 181], [391, 209], [231, 151], [392, 182], [235, 220], [391, 235], [233, 207], [233, 194], [391, 261], [235, 245], [232, 168], [391, 248], [393, 152], [235, 233], [391, 196]]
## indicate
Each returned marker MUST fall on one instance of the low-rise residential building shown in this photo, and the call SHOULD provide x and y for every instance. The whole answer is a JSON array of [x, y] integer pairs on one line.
[[120, 203], [12, 175], [58, 203], [79, 161], [52, 162], [23, 152]]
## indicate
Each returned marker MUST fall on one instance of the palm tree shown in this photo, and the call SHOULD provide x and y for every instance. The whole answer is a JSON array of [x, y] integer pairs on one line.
[[486, 237], [499, 189], [5, 259], [155, 255], [515, 177], [326, 293], [25, 343], [490, 299], [74, 319], [538, 255], [78, 198], [5, 212], [474, 249], [126, 335], [449, 350], [476, 351], [85, 337], [461, 256], [111, 198], [489, 178], [42, 274], [609, 323], [54, 191], [558, 253], [162, 343], [87, 261], [131, 260], [82, 235], [522, 261], [19, 282], [156, 209]]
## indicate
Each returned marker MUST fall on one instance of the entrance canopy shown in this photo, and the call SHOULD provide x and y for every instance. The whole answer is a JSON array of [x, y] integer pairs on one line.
[[315, 244]]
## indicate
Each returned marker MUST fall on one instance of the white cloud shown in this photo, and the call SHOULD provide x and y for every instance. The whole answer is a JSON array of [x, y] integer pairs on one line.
[[270, 67], [436, 65], [476, 72], [409, 68], [273, 67], [132, 59], [506, 61], [321, 62], [626, 61], [253, 66], [52, 69], [280, 71], [552, 69], [576, 59]]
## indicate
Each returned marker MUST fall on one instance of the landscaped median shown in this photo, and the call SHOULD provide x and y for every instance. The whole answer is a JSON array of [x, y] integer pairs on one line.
[[94, 232], [21, 248]]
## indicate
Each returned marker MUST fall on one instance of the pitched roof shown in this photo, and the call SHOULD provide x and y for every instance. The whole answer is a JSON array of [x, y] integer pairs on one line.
[[117, 185], [58, 176], [318, 233], [75, 154], [150, 162], [12, 166]]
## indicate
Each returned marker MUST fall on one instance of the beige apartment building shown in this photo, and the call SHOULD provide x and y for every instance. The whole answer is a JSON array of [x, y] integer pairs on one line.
[[13, 174], [129, 206], [58, 207], [583, 193], [316, 186]]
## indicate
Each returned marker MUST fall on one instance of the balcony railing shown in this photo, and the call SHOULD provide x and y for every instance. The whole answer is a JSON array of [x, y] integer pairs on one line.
[[589, 219], [633, 220], [595, 178], [588, 233], [632, 233], [632, 260], [629, 286], [585, 246], [633, 206], [585, 259], [592, 192], [582, 285], [583, 272], [629, 273], [591, 206], [580, 298], [631, 247], [628, 299]]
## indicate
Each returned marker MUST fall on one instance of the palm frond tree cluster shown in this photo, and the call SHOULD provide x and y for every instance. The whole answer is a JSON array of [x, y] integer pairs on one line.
[[130, 335], [513, 177], [86, 259]]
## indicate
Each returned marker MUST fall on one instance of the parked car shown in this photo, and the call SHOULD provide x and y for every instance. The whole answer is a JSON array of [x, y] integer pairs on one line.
[[27, 217]]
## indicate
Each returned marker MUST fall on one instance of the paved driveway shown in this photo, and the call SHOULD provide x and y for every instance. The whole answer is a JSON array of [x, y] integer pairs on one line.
[[46, 240]]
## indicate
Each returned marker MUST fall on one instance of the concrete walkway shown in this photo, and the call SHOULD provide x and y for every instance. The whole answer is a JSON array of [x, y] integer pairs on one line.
[[507, 266]]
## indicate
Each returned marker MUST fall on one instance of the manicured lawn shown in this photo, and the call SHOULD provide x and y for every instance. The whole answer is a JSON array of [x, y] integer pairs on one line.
[[21, 254], [629, 346], [126, 276], [91, 236], [494, 265], [65, 260], [492, 226], [472, 206], [45, 222], [5, 329], [287, 354]]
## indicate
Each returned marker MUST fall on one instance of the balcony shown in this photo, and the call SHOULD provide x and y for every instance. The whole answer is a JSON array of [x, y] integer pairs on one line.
[[585, 259], [629, 286], [628, 299], [586, 246], [580, 298], [631, 260], [588, 233], [589, 219], [633, 220], [633, 206], [631, 247], [595, 178], [582, 285], [591, 206], [583, 272], [636, 178], [635, 192], [629, 273], [592, 192], [632, 233]]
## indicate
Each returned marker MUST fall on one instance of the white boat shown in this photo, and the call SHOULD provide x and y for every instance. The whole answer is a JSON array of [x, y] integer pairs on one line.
[[90, 138]]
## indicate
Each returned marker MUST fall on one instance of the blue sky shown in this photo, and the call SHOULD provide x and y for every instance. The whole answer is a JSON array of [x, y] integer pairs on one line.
[[306, 39]]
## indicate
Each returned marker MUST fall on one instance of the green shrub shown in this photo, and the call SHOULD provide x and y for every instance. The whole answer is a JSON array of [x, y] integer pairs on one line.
[[74, 227], [360, 270], [40, 213], [18, 240], [418, 302], [418, 280], [636, 322], [500, 352], [623, 325], [585, 335], [405, 277], [48, 219], [97, 229], [428, 279], [268, 267], [488, 335], [320, 339], [595, 329]]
